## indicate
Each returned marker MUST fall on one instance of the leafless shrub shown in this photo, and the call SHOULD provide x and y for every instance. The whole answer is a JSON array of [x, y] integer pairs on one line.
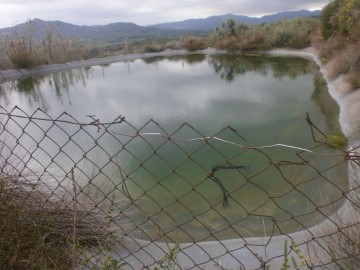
[[20, 50], [194, 43], [56, 47], [175, 45], [229, 43], [153, 48], [341, 236]]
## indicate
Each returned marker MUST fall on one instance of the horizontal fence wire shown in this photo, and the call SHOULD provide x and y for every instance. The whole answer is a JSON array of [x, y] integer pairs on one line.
[[112, 195]]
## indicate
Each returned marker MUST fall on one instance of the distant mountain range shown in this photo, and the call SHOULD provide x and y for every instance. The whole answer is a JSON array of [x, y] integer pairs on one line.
[[214, 21], [111, 32], [121, 31]]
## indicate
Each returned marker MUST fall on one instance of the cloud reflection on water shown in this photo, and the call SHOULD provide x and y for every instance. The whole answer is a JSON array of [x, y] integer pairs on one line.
[[244, 91]]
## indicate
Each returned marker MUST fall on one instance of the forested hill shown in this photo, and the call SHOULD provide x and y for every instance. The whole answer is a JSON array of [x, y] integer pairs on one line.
[[109, 32], [214, 21], [121, 30]]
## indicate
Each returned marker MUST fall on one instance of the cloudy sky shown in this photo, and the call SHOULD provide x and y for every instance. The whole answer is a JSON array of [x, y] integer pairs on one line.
[[141, 12]]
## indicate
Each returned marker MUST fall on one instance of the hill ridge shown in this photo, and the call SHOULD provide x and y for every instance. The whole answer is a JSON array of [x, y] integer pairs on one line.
[[213, 21], [118, 31]]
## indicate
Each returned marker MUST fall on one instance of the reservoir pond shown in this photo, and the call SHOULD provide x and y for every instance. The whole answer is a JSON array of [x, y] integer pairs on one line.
[[209, 146]]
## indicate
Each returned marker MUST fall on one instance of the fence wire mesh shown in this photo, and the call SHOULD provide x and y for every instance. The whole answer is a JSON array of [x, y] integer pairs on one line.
[[96, 195]]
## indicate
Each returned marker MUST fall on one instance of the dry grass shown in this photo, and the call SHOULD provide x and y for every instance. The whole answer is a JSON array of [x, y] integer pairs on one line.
[[20, 56], [354, 79], [39, 232], [341, 237], [337, 66], [344, 245], [33, 235], [343, 242], [342, 57]]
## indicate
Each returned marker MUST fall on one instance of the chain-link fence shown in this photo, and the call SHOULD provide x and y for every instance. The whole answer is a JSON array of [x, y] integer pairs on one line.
[[112, 195]]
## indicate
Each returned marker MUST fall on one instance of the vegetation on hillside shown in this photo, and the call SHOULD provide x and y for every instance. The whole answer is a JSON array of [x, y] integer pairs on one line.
[[340, 48], [24, 51], [295, 33], [25, 48], [336, 36]]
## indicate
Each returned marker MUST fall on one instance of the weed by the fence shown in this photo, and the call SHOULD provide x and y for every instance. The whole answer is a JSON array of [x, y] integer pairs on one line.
[[337, 141], [169, 261], [285, 264], [304, 263]]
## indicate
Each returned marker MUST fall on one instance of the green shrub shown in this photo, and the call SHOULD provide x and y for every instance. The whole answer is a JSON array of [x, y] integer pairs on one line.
[[327, 14], [340, 17], [283, 38], [296, 33], [300, 41]]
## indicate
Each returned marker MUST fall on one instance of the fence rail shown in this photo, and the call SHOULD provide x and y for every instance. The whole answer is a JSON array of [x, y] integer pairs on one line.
[[96, 195]]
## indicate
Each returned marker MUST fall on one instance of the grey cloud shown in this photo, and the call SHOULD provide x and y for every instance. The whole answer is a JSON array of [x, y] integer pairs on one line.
[[145, 12]]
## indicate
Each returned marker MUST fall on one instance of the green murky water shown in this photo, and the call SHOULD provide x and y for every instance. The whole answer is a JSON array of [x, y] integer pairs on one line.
[[176, 190]]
